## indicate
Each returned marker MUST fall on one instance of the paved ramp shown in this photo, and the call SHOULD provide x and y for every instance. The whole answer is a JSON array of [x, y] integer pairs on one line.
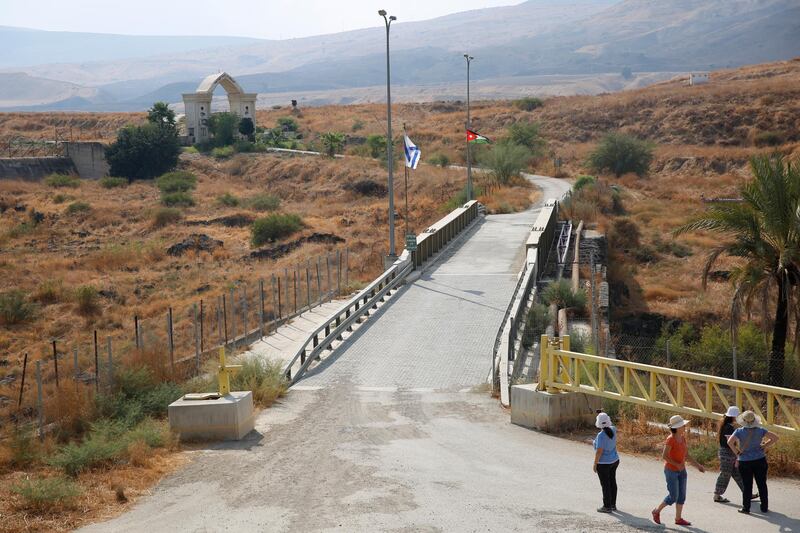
[[386, 437]]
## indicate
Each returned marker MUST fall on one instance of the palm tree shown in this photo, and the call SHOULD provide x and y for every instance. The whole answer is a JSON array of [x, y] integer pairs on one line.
[[764, 232]]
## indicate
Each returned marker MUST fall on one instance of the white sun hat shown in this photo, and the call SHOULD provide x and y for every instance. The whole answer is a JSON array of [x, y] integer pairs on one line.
[[676, 422], [749, 419], [603, 421], [732, 411]]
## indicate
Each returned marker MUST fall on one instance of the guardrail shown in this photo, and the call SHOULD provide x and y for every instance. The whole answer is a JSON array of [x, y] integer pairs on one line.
[[677, 391], [431, 241]]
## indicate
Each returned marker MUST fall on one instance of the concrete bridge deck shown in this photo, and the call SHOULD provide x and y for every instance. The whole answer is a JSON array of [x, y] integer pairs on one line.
[[387, 435]]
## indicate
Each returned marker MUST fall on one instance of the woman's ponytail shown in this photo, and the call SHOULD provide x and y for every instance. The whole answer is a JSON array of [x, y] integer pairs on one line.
[[609, 432]]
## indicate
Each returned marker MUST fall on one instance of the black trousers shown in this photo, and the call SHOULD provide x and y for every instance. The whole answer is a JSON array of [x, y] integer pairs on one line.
[[608, 481], [754, 469]]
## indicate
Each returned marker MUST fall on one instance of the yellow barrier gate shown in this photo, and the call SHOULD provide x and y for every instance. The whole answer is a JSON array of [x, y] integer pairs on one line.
[[677, 391]]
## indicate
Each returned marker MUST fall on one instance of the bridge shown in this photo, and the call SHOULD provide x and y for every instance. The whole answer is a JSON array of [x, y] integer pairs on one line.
[[394, 429]]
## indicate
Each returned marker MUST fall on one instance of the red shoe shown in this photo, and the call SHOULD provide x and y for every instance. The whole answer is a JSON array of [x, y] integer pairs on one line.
[[656, 517], [682, 522]]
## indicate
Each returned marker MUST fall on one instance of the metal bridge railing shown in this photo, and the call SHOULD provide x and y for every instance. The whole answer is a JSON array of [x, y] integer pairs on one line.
[[678, 391]]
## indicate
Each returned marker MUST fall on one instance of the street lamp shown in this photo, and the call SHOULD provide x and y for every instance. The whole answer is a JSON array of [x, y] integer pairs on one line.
[[469, 59], [392, 254]]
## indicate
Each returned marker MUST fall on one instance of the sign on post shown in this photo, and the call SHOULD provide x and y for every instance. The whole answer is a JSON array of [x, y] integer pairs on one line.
[[411, 242]]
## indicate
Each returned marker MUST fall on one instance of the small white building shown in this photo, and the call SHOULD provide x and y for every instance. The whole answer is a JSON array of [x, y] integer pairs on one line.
[[198, 105], [698, 78]]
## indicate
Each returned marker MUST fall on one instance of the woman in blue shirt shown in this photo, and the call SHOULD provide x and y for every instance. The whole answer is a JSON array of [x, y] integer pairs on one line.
[[606, 461], [749, 443]]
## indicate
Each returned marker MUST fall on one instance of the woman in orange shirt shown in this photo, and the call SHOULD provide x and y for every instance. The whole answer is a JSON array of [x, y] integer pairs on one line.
[[675, 455]]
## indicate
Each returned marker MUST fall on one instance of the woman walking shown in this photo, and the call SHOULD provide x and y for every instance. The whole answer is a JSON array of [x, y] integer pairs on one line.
[[727, 458], [675, 455], [749, 444], [606, 461]]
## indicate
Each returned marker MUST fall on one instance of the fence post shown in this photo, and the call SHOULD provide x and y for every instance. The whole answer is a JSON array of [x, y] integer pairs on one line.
[[319, 283], [280, 312], [55, 361], [110, 362], [286, 284], [202, 331], [735, 366], [171, 340], [196, 340], [330, 285], [233, 318], [225, 319], [39, 403], [308, 288], [136, 330], [96, 364], [346, 267], [338, 272], [261, 311], [22, 385], [244, 313]]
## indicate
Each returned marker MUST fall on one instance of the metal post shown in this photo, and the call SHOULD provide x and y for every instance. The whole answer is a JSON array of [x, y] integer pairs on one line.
[[469, 59], [233, 318], [22, 384], [196, 340], [328, 265], [202, 333], [346, 267], [389, 141], [308, 288], [136, 330], [338, 272], [261, 312], [171, 340], [225, 319], [279, 301], [319, 282], [244, 313], [39, 403], [294, 286], [96, 364], [55, 360], [110, 362]]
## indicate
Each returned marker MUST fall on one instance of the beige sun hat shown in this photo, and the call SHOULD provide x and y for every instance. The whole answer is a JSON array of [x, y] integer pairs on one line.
[[603, 421], [748, 419], [732, 411], [676, 422]]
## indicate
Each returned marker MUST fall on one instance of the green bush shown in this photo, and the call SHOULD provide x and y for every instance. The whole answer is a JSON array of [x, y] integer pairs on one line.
[[86, 298], [244, 147], [620, 153], [527, 134], [264, 202], [246, 127], [15, 308], [357, 125], [528, 103], [376, 145], [460, 198], [769, 138], [333, 142], [144, 152], [228, 200], [222, 152], [49, 292], [23, 447], [62, 180], [177, 181], [44, 493], [287, 124], [224, 127], [275, 226], [704, 451], [165, 216], [506, 160], [536, 324], [61, 198], [264, 378], [78, 207], [112, 183], [101, 446], [177, 199], [440, 160], [561, 294], [136, 396], [582, 181]]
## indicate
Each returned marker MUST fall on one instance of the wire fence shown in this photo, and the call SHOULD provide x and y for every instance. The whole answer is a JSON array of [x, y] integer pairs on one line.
[[175, 345]]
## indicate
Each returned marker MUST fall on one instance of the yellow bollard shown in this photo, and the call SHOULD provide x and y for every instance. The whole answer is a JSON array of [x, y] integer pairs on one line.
[[544, 361], [225, 373]]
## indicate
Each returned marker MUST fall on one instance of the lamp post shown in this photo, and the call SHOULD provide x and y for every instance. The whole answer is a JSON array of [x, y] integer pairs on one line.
[[392, 254], [469, 59]]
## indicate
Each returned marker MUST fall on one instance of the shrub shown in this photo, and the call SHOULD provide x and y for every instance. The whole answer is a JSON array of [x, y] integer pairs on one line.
[[62, 180], [357, 125], [49, 292], [246, 127], [143, 152], [376, 145], [560, 293], [620, 153], [582, 181], [624, 235], [333, 142], [769, 138], [228, 200], [61, 198], [23, 447], [244, 147], [264, 202], [78, 207], [529, 103], [165, 216], [535, 324], [86, 299], [704, 451], [264, 378], [177, 181], [275, 226], [15, 308], [222, 152], [136, 396], [287, 124], [177, 199], [440, 160], [45, 493], [527, 134], [506, 160], [223, 126], [460, 198], [112, 183], [99, 447]]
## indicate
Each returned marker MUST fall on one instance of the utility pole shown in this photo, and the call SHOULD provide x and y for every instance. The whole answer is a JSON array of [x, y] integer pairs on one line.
[[392, 257], [469, 59]]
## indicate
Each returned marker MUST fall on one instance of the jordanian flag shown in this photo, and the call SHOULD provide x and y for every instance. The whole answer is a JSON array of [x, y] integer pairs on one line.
[[475, 138]]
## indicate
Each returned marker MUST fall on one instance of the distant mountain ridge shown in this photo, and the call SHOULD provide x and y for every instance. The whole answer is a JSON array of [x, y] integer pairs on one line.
[[534, 38]]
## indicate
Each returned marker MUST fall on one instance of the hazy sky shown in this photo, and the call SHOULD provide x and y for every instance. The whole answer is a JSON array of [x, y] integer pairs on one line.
[[272, 19]]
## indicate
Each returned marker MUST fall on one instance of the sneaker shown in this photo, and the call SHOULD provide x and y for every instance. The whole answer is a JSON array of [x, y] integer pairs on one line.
[[720, 499], [656, 516], [744, 511], [755, 496], [613, 507], [682, 522], [604, 509]]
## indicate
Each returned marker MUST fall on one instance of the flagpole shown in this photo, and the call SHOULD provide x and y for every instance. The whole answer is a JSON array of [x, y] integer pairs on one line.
[[390, 158], [405, 168], [469, 59]]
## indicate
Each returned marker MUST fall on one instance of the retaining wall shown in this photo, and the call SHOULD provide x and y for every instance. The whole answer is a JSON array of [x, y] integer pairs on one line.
[[89, 159], [34, 168]]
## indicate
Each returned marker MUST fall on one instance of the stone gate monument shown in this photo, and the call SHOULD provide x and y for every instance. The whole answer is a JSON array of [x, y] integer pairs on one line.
[[198, 105]]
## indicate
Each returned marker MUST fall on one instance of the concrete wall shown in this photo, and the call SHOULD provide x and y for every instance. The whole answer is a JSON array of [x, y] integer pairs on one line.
[[89, 159], [34, 168]]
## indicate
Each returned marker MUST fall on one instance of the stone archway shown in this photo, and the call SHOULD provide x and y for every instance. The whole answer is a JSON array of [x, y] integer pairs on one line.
[[197, 105]]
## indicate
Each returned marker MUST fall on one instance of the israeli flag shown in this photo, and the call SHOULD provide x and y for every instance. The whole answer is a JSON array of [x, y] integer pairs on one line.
[[412, 153]]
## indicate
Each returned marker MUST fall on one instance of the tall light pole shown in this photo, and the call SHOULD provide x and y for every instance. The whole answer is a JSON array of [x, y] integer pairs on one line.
[[469, 59], [392, 254]]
